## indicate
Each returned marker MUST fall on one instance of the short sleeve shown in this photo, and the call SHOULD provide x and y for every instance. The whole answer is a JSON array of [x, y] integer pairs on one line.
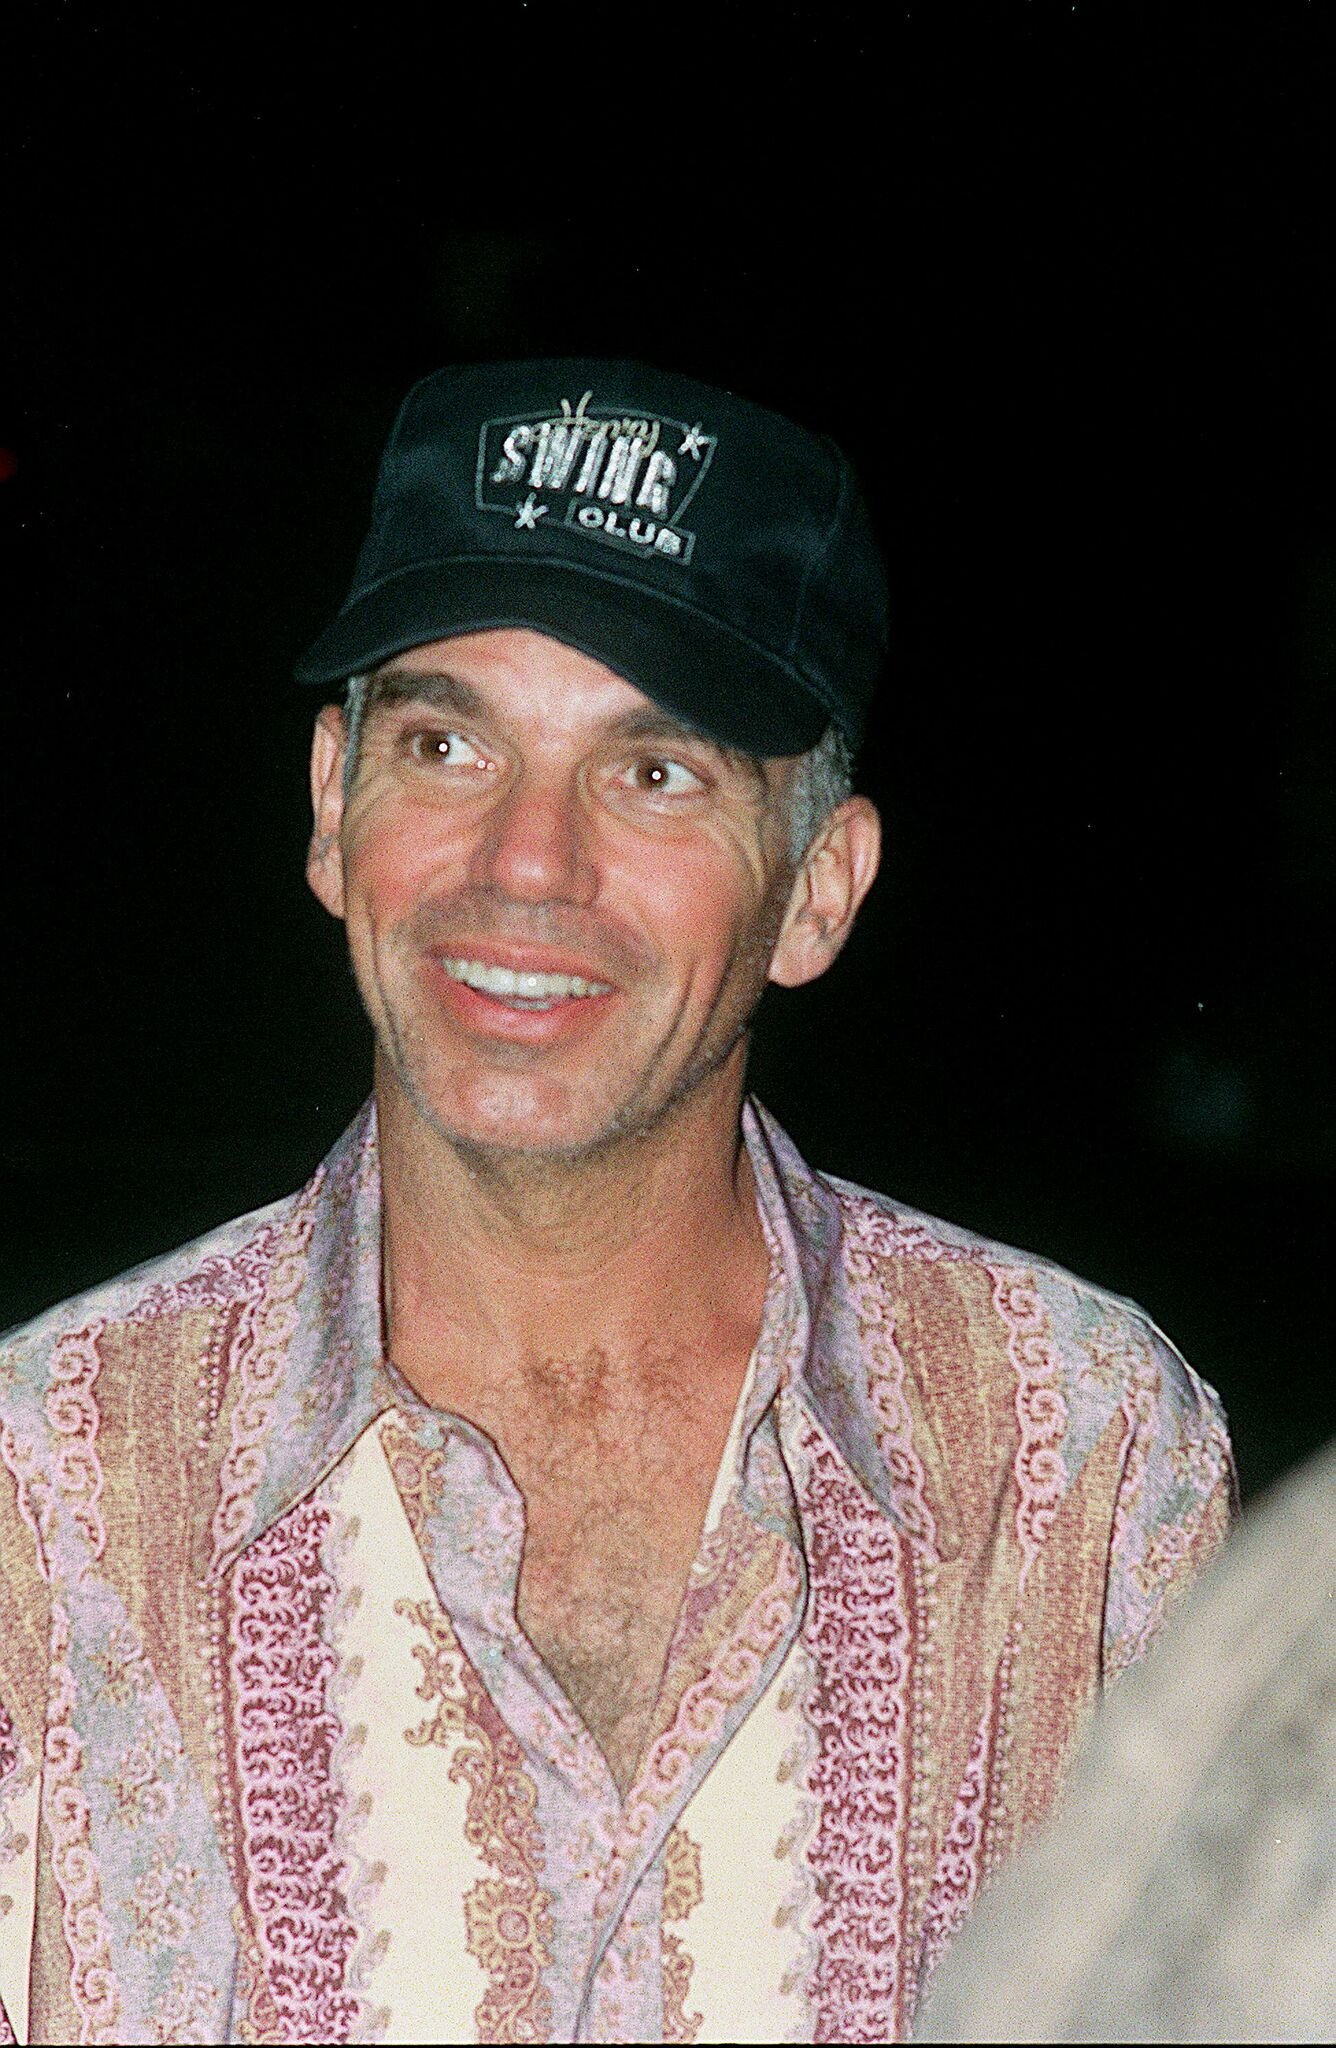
[[1176, 1503]]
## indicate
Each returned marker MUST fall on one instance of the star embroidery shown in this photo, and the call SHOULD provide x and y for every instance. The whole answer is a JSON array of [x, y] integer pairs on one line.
[[529, 513], [694, 442]]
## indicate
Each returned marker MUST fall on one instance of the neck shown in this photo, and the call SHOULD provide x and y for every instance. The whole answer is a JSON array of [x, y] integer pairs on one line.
[[492, 1261]]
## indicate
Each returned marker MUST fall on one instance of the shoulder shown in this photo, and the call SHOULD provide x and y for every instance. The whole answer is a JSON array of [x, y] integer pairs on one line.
[[190, 1285], [1025, 1320], [103, 1396], [98, 1415], [994, 1375]]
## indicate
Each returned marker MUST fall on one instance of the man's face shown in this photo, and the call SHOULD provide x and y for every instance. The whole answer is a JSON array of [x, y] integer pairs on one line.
[[518, 810]]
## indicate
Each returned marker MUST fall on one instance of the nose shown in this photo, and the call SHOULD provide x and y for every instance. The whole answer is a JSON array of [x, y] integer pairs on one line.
[[535, 844]]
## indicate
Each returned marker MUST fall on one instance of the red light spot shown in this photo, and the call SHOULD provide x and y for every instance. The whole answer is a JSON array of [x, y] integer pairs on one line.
[[9, 462]]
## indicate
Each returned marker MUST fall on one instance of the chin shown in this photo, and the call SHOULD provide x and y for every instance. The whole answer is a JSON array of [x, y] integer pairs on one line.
[[514, 1103], [516, 1115]]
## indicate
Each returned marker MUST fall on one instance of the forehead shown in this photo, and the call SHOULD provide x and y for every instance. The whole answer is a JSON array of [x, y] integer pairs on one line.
[[509, 662], [531, 680]]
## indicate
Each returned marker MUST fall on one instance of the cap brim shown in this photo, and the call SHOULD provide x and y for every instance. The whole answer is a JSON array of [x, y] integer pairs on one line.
[[703, 672]]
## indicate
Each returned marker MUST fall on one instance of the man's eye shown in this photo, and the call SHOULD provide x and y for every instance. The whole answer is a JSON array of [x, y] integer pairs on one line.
[[444, 749], [660, 775]]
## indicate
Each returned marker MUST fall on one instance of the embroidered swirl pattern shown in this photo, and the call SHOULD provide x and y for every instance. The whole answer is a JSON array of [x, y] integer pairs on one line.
[[857, 1632], [732, 1621], [284, 1736], [258, 1357], [1041, 1410], [956, 1879], [508, 1917], [798, 1908], [896, 1236], [217, 1282], [419, 1476], [682, 1893], [870, 1241], [221, 1281], [94, 1991], [71, 1410]]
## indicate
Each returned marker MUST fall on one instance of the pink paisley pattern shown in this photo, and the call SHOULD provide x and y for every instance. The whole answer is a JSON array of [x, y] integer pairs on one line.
[[72, 1470], [956, 1880], [93, 1987], [217, 1282], [72, 1411], [7, 2033], [259, 1358], [858, 1635], [1041, 1409], [869, 1241], [900, 1237], [284, 1736]]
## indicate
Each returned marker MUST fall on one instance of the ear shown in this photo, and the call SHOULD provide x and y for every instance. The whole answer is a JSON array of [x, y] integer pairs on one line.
[[324, 856], [837, 871]]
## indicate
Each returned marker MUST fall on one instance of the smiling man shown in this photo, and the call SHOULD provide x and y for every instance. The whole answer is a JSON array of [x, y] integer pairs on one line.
[[573, 1572]]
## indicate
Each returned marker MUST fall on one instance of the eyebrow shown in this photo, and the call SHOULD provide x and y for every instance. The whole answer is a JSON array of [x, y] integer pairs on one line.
[[446, 692], [443, 692]]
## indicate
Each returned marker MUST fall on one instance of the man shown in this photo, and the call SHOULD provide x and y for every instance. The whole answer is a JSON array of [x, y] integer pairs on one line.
[[572, 1572]]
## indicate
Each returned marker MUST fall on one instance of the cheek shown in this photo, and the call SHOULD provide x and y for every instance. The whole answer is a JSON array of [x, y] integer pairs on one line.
[[700, 912], [392, 864]]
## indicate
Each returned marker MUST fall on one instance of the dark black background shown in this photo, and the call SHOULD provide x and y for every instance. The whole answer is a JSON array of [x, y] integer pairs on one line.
[[1059, 277]]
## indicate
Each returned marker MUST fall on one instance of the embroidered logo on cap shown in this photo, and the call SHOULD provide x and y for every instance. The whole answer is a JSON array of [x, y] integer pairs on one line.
[[621, 480]]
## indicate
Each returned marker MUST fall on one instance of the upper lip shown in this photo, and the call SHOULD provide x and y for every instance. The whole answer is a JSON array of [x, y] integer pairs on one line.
[[521, 959]]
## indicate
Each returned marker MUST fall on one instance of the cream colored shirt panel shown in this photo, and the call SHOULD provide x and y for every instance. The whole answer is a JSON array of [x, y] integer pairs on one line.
[[405, 1835], [19, 1804]]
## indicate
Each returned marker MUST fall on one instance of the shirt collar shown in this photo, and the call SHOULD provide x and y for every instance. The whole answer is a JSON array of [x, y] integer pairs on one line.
[[319, 1359], [812, 1345]]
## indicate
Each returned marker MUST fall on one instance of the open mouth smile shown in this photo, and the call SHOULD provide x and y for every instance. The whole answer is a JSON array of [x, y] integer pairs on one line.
[[523, 988]]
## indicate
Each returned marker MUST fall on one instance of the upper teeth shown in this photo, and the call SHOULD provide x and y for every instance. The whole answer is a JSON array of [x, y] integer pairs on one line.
[[506, 981]]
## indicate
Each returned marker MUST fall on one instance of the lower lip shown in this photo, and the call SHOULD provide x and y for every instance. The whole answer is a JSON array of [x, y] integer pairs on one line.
[[495, 1018]]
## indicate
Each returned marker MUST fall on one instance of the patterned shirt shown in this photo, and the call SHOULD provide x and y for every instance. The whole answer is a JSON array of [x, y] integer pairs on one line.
[[277, 1762]]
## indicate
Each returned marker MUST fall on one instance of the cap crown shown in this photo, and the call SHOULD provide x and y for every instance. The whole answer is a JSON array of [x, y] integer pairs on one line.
[[719, 517]]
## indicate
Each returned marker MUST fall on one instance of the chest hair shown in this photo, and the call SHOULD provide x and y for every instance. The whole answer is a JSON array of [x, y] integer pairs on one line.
[[616, 1473]]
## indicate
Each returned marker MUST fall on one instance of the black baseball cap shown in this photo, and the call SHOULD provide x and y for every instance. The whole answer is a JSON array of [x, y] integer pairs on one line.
[[713, 553]]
